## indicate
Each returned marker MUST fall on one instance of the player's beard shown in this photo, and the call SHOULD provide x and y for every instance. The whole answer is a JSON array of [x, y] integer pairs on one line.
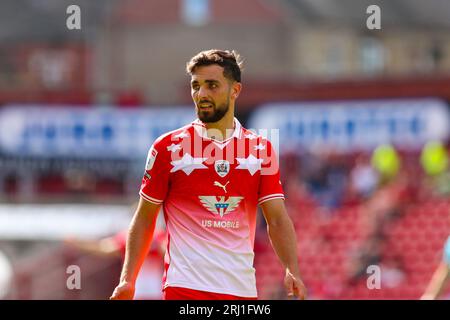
[[216, 114]]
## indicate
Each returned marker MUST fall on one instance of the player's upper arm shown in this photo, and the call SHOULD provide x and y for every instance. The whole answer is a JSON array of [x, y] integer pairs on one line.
[[147, 210], [155, 180], [270, 187]]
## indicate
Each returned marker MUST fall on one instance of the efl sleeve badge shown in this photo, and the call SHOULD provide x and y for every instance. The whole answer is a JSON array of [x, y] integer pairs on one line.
[[151, 157]]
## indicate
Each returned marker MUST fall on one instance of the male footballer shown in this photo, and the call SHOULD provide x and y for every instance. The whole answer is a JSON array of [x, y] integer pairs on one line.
[[210, 176]]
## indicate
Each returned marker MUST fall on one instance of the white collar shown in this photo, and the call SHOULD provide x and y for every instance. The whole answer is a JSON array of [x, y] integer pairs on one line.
[[200, 128]]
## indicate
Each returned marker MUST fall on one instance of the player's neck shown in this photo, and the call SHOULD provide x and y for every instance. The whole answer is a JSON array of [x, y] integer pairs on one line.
[[225, 126]]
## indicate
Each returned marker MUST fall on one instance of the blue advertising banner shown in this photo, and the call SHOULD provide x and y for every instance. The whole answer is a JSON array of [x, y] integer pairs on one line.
[[347, 125], [86, 132]]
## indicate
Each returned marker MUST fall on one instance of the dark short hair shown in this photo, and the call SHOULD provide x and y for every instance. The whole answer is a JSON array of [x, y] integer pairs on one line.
[[230, 61]]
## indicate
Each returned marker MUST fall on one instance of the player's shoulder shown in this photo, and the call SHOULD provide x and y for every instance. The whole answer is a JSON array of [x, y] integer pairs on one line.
[[169, 137], [249, 134], [252, 135]]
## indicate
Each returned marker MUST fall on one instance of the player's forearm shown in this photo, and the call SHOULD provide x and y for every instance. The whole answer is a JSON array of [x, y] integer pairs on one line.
[[138, 242], [284, 241]]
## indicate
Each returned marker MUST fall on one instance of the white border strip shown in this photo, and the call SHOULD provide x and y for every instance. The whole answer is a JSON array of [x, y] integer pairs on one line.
[[271, 197], [150, 199]]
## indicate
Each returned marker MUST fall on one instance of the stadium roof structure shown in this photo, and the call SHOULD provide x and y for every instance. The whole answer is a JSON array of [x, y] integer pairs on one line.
[[45, 20], [430, 14], [28, 20], [154, 12]]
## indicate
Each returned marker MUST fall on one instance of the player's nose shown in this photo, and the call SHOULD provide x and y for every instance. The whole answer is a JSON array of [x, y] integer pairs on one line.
[[202, 94]]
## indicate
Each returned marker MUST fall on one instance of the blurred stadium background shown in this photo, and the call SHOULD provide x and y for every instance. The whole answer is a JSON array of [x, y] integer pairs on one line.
[[363, 119]]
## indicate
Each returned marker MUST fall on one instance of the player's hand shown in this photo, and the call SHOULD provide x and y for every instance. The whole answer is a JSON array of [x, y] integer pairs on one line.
[[124, 291], [294, 286]]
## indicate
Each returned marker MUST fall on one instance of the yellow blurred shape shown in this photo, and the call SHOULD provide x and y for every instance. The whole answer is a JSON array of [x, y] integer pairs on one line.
[[385, 159], [434, 158]]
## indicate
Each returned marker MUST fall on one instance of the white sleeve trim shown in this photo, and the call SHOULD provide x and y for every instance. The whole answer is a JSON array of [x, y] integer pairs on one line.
[[270, 197], [150, 199]]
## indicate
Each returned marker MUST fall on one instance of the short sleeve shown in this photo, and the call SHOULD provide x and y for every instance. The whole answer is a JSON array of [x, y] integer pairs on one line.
[[155, 181], [270, 185], [446, 257]]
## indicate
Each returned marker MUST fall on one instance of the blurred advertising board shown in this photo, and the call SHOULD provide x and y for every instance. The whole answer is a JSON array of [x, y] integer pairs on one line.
[[58, 221], [65, 131], [354, 125]]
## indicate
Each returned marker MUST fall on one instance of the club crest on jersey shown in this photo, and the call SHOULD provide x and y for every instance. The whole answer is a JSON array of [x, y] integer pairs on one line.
[[222, 167], [151, 157], [220, 206]]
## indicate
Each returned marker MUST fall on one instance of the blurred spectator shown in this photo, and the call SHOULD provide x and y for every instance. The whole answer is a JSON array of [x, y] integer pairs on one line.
[[363, 178], [368, 254], [326, 178], [387, 203], [434, 160], [386, 161], [149, 280], [294, 185], [377, 215]]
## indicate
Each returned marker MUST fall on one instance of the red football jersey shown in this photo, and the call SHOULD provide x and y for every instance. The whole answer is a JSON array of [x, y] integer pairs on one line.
[[210, 190]]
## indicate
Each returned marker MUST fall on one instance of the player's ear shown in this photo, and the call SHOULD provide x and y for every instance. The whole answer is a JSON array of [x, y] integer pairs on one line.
[[236, 89]]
